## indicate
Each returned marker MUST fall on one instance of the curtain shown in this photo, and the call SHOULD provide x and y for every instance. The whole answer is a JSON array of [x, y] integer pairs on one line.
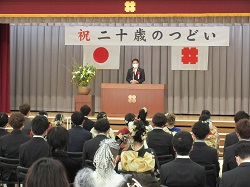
[[4, 68], [39, 62]]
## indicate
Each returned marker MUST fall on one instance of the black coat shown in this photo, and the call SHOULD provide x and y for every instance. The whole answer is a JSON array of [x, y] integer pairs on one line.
[[139, 76]]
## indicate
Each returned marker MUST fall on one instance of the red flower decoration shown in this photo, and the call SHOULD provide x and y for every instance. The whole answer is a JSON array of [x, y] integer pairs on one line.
[[138, 73]]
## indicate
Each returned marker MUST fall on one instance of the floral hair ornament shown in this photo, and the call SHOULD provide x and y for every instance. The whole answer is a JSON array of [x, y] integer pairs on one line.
[[145, 109], [132, 128], [136, 183]]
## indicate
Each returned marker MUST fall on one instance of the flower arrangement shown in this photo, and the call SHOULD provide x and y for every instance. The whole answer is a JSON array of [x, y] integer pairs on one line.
[[82, 75]]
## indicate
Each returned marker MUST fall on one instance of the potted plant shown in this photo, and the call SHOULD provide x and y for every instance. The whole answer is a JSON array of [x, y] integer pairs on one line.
[[82, 76]]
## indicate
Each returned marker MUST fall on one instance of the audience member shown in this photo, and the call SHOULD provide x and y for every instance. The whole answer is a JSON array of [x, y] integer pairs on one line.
[[242, 130], [59, 120], [182, 171], [90, 146], [138, 158], [170, 127], [103, 115], [3, 123], [37, 147], [212, 139], [141, 179], [47, 172], [158, 140], [9, 144], [58, 139], [25, 110], [87, 123], [105, 162], [240, 175], [232, 137], [202, 153], [43, 113], [143, 113], [77, 134]]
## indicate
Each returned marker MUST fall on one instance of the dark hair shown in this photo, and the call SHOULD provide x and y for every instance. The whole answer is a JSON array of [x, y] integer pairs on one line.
[[207, 112], [46, 172], [159, 119], [142, 114], [204, 117], [135, 59], [201, 130], [59, 119], [24, 108], [77, 118], [39, 125], [243, 128], [102, 125], [243, 150], [43, 113], [139, 131], [16, 120], [182, 142], [3, 119], [129, 117], [240, 115], [145, 180], [102, 115], [85, 110], [58, 139]]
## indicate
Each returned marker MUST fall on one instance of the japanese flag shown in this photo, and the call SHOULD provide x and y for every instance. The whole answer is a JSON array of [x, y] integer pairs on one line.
[[189, 58], [102, 57]]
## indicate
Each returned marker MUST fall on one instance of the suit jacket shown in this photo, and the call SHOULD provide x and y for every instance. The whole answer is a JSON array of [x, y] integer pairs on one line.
[[9, 146], [139, 76], [90, 147], [32, 150], [88, 124], [238, 177], [160, 142], [231, 139], [229, 161], [3, 132], [182, 172], [27, 126], [77, 137]]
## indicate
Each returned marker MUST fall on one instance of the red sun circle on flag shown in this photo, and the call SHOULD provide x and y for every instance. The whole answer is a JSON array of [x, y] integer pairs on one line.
[[101, 55]]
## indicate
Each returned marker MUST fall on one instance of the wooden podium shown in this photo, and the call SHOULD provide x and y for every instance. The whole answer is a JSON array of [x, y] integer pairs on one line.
[[85, 100], [120, 99]]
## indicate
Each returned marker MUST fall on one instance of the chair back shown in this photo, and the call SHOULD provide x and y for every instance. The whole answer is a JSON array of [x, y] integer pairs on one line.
[[21, 174], [211, 175], [163, 159], [8, 165], [89, 164], [77, 156]]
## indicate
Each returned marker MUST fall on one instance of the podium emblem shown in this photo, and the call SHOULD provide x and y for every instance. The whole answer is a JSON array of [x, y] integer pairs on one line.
[[132, 98]]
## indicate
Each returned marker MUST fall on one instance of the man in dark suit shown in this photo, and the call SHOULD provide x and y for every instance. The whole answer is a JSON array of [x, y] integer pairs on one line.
[[87, 123], [182, 171], [135, 74], [202, 153], [25, 110], [243, 132], [232, 137], [159, 140], [77, 134], [240, 175], [102, 129], [37, 147], [9, 144]]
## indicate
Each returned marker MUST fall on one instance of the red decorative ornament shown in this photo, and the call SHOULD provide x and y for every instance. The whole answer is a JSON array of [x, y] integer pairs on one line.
[[138, 74]]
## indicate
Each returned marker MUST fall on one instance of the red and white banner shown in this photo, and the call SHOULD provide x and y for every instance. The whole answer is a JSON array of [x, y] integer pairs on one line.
[[189, 58], [102, 57]]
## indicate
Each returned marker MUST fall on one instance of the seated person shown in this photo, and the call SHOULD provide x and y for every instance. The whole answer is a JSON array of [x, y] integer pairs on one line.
[[77, 134], [90, 146], [25, 110], [170, 127], [138, 158], [87, 123], [59, 120], [103, 115], [104, 161], [37, 147], [182, 171], [47, 172], [141, 179], [158, 140], [58, 139], [202, 153], [143, 113], [3, 123]]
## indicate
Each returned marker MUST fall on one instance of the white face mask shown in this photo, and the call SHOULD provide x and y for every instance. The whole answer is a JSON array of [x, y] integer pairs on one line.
[[135, 65]]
